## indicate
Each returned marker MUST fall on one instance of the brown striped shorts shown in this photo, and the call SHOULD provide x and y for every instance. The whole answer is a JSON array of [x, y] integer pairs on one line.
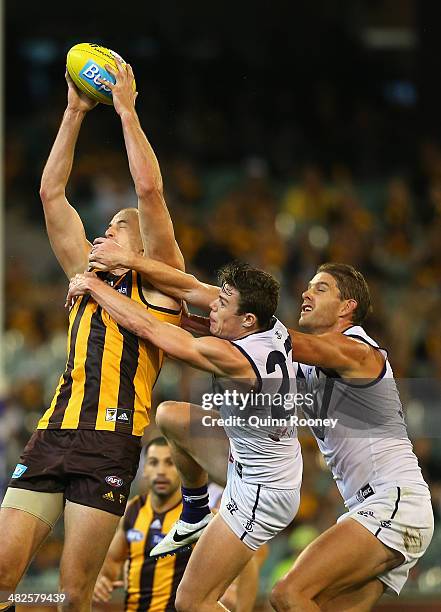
[[91, 468]]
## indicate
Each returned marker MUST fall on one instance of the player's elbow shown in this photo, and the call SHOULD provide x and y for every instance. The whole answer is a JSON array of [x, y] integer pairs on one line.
[[148, 190], [50, 191]]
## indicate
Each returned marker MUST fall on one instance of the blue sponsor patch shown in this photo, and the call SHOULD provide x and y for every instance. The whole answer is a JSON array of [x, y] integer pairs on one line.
[[20, 469], [134, 535], [91, 72]]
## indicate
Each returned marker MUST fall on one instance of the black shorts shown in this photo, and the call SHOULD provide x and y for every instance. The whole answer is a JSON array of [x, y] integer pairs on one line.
[[91, 468]]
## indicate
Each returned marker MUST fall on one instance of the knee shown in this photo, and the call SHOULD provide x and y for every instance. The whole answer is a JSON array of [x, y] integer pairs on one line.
[[77, 591], [286, 596], [168, 415], [185, 601]]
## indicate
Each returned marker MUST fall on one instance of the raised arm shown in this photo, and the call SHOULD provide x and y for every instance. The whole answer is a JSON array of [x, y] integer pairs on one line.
[[155, 222], [64, 226], [108, 255], [335, 351], [210, 354]]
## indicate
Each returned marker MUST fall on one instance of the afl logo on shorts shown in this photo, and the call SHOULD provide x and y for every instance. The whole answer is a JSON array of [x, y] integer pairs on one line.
[[134, 535], [114, 481], [20, 469]]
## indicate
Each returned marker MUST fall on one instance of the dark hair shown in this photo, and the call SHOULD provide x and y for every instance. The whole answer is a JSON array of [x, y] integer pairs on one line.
[[258, 290], [159, 441], [351, 285]]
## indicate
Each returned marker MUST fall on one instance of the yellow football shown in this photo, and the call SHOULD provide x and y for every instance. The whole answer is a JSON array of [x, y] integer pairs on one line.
[[86, 64]]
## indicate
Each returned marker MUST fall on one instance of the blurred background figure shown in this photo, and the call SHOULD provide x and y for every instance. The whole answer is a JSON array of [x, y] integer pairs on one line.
[[287, 136]]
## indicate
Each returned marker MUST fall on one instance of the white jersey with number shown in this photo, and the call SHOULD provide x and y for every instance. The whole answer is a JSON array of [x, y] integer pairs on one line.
[[369, 447], [263, 441]]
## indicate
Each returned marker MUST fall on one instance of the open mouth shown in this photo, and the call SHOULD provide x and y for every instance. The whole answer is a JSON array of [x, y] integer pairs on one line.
[[306, 308]]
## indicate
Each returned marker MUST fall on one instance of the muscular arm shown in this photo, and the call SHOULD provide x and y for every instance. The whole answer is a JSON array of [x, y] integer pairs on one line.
[[208, 353], [335, 351], [64, 226], [155, 222], [180, 285]]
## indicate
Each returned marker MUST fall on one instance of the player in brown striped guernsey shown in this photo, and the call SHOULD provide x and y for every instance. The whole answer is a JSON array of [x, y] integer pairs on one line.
[[152, 582], [85, 452]]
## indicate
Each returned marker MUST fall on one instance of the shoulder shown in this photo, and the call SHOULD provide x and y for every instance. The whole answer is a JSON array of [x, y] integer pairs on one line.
[[153, 297]]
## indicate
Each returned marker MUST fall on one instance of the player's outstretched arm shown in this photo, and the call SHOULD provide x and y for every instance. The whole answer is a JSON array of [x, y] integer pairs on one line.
[[108, 255], [335, 351], [208, 353], [155, 222], [109, 576], [64, 226]]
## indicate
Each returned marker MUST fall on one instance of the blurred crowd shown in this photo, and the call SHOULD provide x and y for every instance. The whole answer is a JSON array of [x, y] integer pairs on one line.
[[288, 224]]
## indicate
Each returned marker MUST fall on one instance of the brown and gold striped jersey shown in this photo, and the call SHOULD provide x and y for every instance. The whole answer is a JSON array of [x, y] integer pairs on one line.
[[110, 372], [151, 582]]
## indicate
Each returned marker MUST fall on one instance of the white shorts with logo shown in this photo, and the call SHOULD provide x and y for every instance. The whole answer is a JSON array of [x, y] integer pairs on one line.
[[402, 518], [256, 513]]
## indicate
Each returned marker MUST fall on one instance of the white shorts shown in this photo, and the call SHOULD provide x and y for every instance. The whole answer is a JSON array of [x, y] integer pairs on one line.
[[256, 513], [402, 518]]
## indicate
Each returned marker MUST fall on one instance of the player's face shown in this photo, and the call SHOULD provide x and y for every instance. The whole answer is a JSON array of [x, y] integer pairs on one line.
[[322, 304], [224, 320], [124, 229], [160, 472]]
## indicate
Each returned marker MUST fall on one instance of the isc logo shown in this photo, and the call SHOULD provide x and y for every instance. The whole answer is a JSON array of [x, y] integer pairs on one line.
[[92, 72]]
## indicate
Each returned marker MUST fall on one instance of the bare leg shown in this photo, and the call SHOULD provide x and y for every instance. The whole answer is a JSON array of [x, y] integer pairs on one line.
[[344, 557], [88, 533], [22, 534], [196, 449], [358, 599], [219, 557]]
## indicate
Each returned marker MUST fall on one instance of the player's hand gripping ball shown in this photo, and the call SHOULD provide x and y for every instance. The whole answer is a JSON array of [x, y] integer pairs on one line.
[[86, 64]]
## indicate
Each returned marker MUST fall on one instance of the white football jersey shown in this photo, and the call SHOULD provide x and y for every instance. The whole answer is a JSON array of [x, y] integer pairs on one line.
[[369, 447], [263, 441]]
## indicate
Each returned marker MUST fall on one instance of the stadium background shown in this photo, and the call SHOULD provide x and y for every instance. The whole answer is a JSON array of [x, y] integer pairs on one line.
[[288, 134]]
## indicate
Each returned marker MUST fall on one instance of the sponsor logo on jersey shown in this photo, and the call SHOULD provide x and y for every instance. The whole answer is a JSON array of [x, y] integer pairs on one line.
[[366, 513], [114, 481], [232, 506], [386, 524], [109, 496], [111, 414], [122, 498], [119, 415], [134, 535], [124, 416], [278, 335], [249, 525], [20, 469], [364, 493]]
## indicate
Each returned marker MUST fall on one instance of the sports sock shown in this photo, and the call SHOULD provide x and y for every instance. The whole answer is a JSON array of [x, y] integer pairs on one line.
[[194, 504]]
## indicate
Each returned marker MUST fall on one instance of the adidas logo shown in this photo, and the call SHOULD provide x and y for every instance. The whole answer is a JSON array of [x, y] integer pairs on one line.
[[123, 417], [109, 496], [156, 524]]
